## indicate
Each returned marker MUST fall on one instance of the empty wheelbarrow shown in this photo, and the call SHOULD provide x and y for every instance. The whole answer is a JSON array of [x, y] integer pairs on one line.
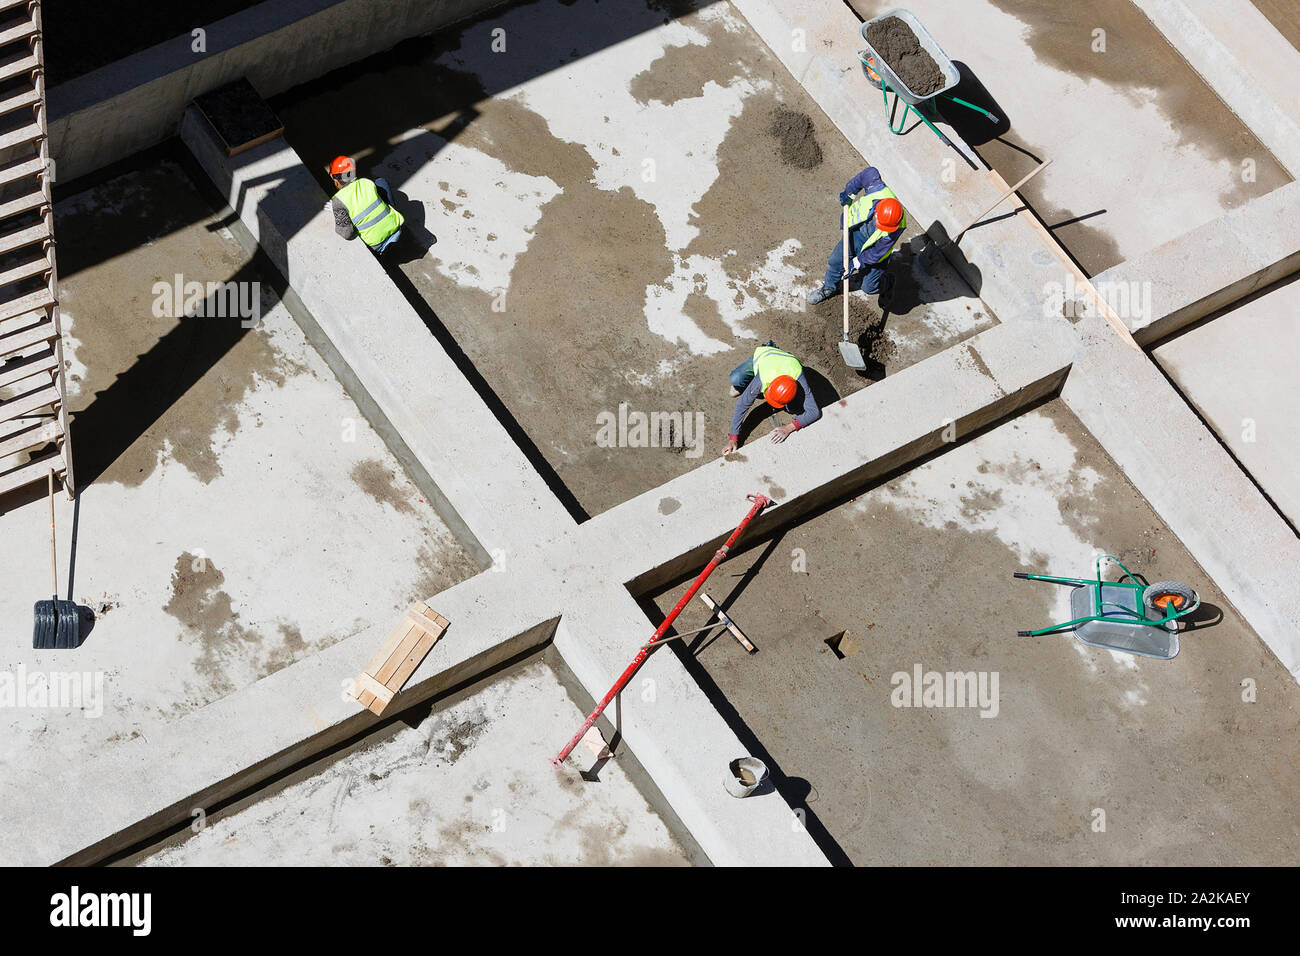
[[1127, 615]]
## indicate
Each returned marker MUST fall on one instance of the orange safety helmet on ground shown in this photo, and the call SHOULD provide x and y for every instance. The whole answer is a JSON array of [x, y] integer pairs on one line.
[[889, 213], [782, 391], [341, 166]]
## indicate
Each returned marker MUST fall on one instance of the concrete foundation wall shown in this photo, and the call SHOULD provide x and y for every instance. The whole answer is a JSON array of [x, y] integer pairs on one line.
[[137, 101]]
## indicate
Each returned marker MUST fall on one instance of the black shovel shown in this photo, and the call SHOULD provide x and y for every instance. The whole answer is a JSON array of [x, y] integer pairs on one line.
[[58, 623]]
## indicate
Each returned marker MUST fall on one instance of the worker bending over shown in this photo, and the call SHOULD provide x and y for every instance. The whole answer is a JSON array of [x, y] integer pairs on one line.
[[876, 223], [363, 207], [778, 377]]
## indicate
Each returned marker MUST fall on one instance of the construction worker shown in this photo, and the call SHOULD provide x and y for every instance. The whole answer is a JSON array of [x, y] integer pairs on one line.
[[876, 223], [363, 207], [778, 377]]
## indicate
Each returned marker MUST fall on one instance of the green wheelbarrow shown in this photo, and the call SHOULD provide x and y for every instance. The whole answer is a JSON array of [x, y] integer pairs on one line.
[[880, 75], [1128, 615]]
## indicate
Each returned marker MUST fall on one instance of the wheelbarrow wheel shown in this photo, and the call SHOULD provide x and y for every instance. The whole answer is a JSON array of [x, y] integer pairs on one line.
[[1160, 597]]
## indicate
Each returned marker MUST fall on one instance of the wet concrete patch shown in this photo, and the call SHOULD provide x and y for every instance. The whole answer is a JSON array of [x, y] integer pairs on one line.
[[155, 377], [612, 291]]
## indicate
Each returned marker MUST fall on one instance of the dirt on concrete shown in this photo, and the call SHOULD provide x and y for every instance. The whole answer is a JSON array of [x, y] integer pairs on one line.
[[567, 338], [796, 138], [898, 46]]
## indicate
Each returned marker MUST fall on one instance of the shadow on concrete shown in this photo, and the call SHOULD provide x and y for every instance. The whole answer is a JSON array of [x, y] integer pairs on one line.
[[122, 413], [140, 395], [416, 239], [975, 128]]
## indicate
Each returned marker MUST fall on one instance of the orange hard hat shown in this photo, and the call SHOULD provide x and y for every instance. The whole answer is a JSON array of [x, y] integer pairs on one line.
[[341, 165], [889, 213], [782, 390]]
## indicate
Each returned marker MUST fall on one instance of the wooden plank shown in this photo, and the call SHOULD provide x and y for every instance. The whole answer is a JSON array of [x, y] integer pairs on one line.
[[1026, 214], [19, 67], [25, 98], [30, 437], [30, 167], [727, 622], [19, 32], [27, 270], [386, 649], [33, 200], [25, 338], [398, 657], [35, 470], [368, 684], [16, 370], [24, 237], [413, 659], [28, 402]]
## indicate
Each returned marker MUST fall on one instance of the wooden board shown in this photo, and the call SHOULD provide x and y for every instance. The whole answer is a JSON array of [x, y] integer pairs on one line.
[[398, 657], [727, 622], [1084, 283]]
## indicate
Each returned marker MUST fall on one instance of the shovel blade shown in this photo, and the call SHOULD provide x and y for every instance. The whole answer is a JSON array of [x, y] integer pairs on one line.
[[852, 355], [57, 625]]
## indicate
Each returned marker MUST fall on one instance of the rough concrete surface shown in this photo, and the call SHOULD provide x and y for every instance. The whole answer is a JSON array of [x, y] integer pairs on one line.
[[615, 223], [918, 571], [236, 513], [448, 789], [606, 239], [1144, 150]]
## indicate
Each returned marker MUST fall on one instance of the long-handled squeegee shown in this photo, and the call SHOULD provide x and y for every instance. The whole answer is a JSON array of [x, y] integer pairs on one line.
[[760, 502]]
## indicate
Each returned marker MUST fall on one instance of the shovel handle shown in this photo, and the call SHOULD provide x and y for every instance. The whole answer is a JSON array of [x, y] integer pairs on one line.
[[846, 273], [54, 568]]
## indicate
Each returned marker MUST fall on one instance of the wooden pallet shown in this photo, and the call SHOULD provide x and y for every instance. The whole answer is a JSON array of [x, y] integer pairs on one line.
[[33, 394], [398, 657]]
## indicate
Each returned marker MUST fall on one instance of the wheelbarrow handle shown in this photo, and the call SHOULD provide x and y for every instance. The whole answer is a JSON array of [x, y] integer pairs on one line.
[[1020, 574]]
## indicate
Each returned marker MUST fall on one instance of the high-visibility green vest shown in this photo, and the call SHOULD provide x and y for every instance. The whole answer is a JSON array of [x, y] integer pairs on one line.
[[860, 211], [770, 363], [373, 218]]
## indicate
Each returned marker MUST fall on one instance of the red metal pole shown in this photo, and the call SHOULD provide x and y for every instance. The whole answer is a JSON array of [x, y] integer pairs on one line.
[[760, 502]]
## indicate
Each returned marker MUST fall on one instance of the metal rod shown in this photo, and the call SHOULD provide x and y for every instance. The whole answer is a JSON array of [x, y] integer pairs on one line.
[[760, 502]]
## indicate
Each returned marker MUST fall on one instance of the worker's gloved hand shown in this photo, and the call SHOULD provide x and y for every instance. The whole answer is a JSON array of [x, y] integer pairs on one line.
[[730, 446], [845, 198]]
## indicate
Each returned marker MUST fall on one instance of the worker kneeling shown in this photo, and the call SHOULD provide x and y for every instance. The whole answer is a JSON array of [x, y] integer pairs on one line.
[[363, 207], [778, 377]]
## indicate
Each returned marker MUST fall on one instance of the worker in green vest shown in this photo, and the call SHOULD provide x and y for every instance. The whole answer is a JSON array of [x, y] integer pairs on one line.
[[363, 207], [876, 223], [778, 377]]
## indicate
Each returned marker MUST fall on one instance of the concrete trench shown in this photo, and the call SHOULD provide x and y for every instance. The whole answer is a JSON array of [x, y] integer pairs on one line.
[[466, 435]]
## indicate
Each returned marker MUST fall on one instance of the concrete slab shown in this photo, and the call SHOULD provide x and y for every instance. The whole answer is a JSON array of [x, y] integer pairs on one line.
[[406, 384], [1204, 270], [917, 573], [1284, 18], [1178, 465], [447, 789], [227, 475], [616, 222], [1238, 371], [1174, 152], [1247, 62]]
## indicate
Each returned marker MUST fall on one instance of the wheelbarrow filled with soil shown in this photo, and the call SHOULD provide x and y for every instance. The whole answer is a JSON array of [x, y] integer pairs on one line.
[[904, 59]]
